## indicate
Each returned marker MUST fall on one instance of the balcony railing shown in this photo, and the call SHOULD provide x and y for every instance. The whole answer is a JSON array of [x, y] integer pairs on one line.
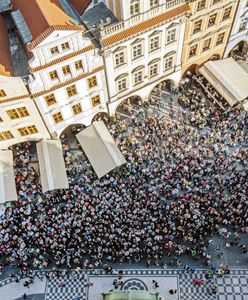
[[123, 25]]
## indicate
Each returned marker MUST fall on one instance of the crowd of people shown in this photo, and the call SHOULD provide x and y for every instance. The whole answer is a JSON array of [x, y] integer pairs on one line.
[[179, 187]]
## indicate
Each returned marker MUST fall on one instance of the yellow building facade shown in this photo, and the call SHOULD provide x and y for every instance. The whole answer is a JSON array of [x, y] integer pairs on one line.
[[207, 31]]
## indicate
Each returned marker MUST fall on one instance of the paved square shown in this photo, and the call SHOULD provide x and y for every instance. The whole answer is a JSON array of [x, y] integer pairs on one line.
[[231, 287], [141, 282]]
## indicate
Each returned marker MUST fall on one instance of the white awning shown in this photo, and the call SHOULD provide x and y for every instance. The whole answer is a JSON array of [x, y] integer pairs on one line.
[[52, 165], [100, 148], [228, 78], [7, 177]]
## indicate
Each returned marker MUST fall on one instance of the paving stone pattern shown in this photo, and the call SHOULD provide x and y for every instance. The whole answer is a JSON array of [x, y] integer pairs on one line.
[[230, 287]]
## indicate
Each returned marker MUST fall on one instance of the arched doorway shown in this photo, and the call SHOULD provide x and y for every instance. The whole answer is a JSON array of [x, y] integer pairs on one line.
[[101, 116], [193, 69], [215, 57], [161, 92], [129, 106], [68, 136], [240, 51]]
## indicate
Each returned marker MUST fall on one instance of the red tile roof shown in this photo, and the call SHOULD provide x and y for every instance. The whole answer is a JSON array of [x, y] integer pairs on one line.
[[80, 5], [5, 58], [145, 25], [43, 17]]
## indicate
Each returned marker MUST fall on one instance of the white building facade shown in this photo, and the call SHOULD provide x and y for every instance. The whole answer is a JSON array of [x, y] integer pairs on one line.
[[20, 120], [239, 31], [67, 81], [144, 48]]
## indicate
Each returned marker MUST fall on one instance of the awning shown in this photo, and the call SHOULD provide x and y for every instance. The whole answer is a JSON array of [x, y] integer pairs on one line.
[[52, 165], [228, 78], [7, 177], [100, 148]]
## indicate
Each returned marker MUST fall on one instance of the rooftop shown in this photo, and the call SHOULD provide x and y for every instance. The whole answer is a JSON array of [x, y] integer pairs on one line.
[[40, 15], [5, 58], [97, 15], [80, 5]]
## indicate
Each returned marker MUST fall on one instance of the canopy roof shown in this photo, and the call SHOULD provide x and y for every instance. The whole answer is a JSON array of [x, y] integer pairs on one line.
[[130, 295], [7, 177], [228, 78], [52, 165], [100, 148]]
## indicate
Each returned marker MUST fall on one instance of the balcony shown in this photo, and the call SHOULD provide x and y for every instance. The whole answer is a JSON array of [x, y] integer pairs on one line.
[[153, 12]]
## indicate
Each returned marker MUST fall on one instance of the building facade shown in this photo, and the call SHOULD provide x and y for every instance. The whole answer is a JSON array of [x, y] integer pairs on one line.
[[239, 35], [67, 80], [207, 31], [20, 120], [143, 48]]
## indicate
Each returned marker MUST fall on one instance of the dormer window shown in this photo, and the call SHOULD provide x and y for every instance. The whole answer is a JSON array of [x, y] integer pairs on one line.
[[65, 46], [54, 50], [2, 93], [154, 3], [134, 8]]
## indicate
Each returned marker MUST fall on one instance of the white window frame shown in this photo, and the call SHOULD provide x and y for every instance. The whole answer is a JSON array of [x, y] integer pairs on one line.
[[152, 67], [171, 59], [169, 35], [139, 74], [152, 42], [122, 84], [135, 49], [116, 58]]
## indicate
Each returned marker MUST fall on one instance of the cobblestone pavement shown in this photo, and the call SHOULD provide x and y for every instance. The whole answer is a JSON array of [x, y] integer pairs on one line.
[[230, 287]]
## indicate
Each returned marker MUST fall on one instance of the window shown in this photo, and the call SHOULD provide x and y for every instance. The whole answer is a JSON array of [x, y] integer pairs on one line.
[[137, 51], [212, 20], [206, 45], [154, 3], [17, 113], [216, 1], [153, 70], [92, 81], [138, 77], [77, 108], [119, 59], [197, 26], [201, 5], [220, 38], [6, 135], [192, 51], [227, 13], [95, 100], [122, 84], [53, 75], [171, 35], [168, 63], [2, 93], [66, 70], [79, 65], [50, 99], [57, 117], [71, 90], [54, 50], [27, 130], [134, 8], [65, 46], [154, 43]]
